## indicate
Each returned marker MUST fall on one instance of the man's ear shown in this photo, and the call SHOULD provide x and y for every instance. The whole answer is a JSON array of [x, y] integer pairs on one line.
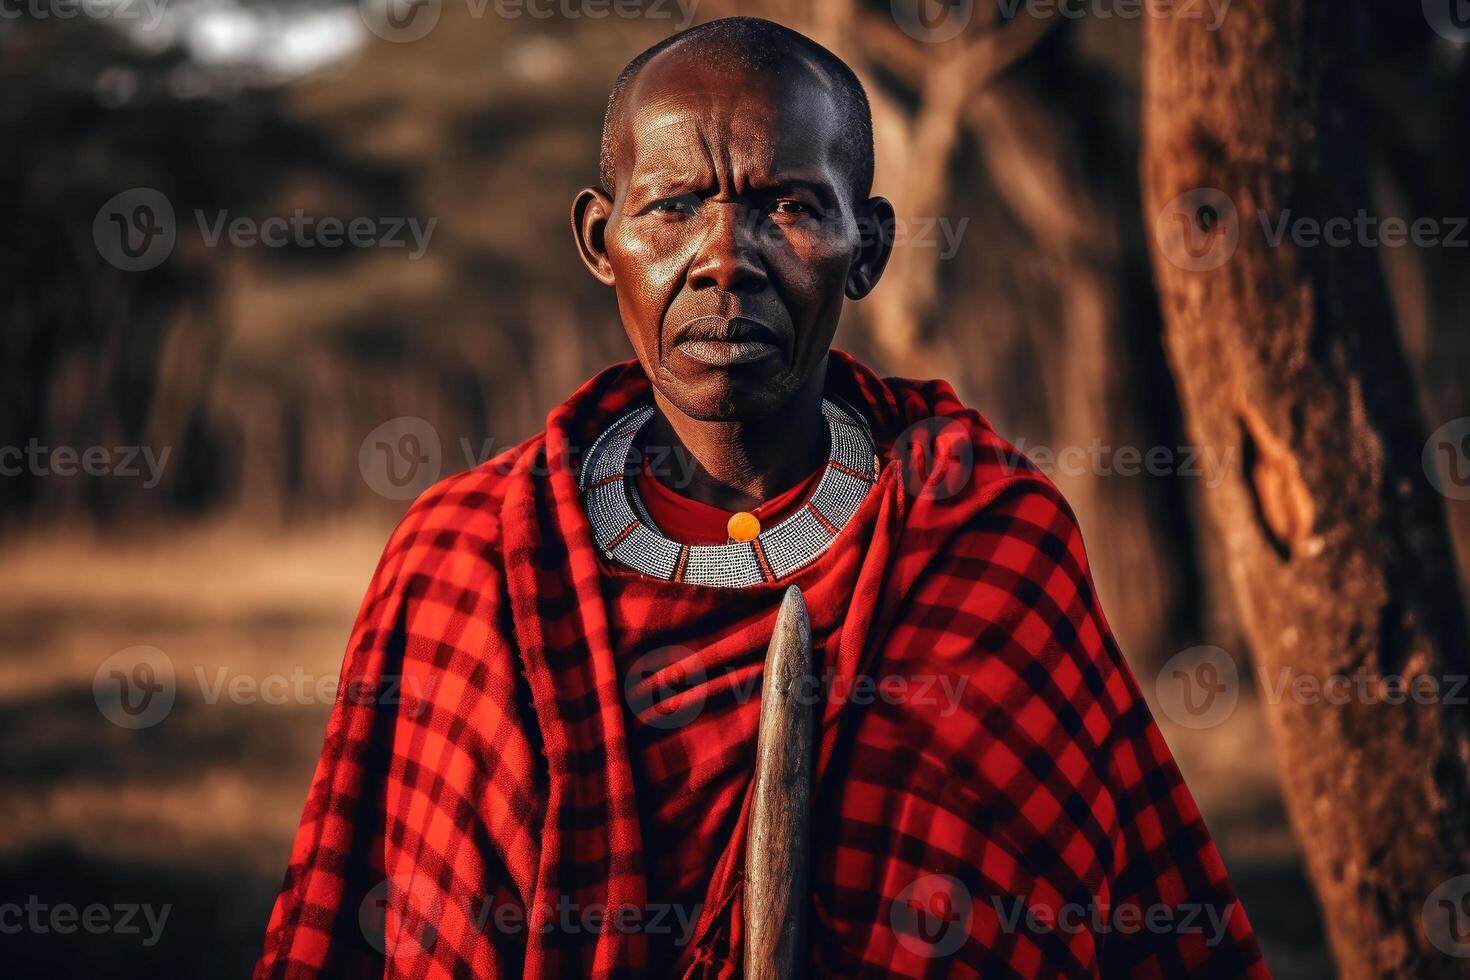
[[590, 212], [875, 220]]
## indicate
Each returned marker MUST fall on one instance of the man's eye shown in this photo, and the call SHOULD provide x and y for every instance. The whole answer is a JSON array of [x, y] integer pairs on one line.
[[683, 204], [789, 206]]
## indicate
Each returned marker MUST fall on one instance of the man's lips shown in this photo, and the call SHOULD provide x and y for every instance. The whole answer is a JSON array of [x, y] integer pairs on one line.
[[725, 341], [722, 353]]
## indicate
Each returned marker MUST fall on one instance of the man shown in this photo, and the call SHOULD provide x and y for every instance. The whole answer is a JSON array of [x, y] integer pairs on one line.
[[575, 630]]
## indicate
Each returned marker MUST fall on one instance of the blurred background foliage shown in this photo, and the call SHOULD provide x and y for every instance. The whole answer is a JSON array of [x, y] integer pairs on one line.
[[263, 369]]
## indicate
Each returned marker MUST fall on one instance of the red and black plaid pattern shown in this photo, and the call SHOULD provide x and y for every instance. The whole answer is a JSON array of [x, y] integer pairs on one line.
[[560, 787]]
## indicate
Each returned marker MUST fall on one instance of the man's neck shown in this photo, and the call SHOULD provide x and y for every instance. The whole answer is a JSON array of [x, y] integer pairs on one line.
[[738, 465]]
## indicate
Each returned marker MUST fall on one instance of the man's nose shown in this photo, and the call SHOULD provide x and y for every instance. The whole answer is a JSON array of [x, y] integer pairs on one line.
[[728, 257]]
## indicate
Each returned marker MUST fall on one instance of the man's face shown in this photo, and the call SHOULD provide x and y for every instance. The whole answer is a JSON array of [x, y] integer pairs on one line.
[[732, 234]]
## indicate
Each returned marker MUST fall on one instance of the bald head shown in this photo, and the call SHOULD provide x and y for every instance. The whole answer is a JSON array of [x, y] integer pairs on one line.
[[750, 45]]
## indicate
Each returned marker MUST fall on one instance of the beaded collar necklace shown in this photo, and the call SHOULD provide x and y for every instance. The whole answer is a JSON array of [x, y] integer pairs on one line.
[[627, 535]]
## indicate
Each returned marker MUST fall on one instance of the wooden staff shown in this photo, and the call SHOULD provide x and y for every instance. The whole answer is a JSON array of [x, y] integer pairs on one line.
[[777, 852]]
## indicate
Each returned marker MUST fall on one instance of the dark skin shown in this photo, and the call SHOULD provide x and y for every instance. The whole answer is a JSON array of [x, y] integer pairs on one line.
[[731, 240]]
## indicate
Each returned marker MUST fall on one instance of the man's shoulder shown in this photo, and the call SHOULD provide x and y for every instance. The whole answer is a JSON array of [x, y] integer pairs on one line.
[[950, 452], [976, 491]]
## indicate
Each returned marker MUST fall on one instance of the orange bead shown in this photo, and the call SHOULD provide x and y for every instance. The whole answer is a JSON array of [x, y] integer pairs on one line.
[[743, 526]]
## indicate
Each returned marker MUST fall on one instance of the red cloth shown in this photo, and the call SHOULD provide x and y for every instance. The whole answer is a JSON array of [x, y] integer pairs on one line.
[[508, 756], [691, 521]]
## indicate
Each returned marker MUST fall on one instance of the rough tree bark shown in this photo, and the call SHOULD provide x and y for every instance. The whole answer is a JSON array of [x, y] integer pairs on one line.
[[1336, 543]]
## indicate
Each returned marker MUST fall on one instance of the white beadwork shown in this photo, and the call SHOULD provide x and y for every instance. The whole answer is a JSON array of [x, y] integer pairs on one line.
[[728, 565], [803, 537], [627, 535]]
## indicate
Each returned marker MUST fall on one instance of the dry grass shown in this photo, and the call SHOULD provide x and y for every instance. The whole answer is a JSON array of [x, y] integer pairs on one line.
[[198, 810]]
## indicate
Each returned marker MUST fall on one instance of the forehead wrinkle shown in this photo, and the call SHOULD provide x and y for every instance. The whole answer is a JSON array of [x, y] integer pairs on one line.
[[698, 146], [680, 160], [694, 143], [758, 62], [676, 131], [657, 114], [647, 103]]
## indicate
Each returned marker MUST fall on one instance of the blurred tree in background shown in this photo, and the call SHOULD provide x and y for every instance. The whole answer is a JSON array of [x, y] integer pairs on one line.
[[1337, 544]]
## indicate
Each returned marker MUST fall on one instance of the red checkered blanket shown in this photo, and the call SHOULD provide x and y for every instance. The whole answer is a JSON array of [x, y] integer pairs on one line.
[[539, 764]]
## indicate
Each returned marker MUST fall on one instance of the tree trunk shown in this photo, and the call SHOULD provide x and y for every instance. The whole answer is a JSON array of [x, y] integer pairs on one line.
[[1336, 543]]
